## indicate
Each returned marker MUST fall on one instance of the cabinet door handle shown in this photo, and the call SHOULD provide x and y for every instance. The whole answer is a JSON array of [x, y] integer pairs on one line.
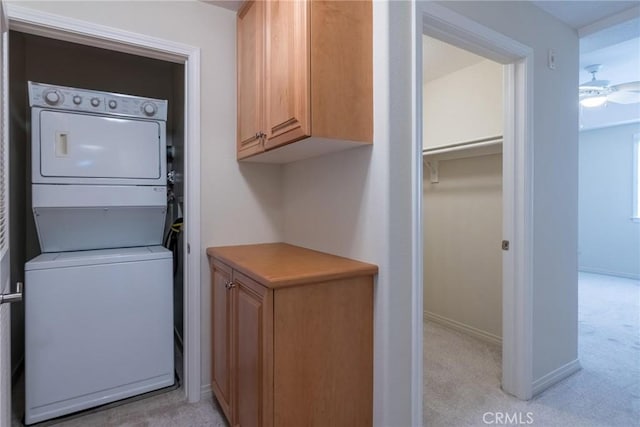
[[230, 285], [258, 134]]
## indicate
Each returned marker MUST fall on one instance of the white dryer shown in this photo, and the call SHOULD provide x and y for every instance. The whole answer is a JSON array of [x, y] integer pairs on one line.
[[98, 168]]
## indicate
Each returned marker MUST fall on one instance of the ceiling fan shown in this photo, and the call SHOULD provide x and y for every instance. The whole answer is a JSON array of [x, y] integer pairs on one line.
[[596, 92]]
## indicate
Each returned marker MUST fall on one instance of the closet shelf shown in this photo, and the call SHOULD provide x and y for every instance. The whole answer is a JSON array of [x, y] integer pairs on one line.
[[478, 147]]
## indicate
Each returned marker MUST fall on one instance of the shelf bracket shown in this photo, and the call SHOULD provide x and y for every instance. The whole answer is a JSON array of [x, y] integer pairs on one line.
[[433, 170]]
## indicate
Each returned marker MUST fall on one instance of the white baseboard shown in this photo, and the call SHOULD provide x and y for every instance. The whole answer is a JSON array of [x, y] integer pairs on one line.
[[609, 273], [461, 327], [555, 376], [205, 391]]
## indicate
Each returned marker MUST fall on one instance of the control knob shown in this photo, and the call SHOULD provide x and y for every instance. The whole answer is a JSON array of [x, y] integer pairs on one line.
[[149, 108], [112, 104], [77, 99], [95, 101], [52, 97]]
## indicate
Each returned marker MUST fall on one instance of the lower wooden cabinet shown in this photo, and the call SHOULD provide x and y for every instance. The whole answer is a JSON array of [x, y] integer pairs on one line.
[[292, 336], [241, 321], [221, 335]]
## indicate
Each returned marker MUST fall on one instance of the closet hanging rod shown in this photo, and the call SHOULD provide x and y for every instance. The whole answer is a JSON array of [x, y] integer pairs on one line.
[[477, 143]]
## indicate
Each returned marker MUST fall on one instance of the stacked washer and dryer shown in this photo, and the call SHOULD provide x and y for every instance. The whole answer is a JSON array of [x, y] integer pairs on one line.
[[98, 300]]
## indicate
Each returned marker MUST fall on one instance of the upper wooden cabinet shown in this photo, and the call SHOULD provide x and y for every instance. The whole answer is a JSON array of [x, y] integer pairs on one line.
[[304, 76], [250, 78]]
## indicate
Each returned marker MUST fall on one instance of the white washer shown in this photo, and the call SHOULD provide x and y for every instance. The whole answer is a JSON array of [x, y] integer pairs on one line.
[[98, 328]]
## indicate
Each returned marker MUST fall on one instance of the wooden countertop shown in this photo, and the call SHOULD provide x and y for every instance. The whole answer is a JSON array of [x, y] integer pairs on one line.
[[278, 265]]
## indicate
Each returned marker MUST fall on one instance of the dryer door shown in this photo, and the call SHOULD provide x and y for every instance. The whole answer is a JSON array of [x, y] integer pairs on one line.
[[89, 149]]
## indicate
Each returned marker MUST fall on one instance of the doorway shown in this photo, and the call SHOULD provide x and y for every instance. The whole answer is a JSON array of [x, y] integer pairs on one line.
[[45, 60], [66, 29], [462, 220], [439, 22]]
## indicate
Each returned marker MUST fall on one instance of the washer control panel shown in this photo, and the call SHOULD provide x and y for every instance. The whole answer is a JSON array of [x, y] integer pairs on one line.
[[66, 98]]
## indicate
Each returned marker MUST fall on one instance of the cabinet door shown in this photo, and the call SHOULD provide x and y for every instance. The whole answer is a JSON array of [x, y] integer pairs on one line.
[[250, 78], [252, 356], [287, 72], [221, 335]]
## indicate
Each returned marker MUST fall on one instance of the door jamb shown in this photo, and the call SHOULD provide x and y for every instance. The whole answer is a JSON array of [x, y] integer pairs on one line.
[[438, 21], [77, 31]]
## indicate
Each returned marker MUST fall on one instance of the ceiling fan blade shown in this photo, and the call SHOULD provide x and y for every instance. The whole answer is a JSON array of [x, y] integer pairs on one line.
[[624, 97], [627, 87], [595, 85]]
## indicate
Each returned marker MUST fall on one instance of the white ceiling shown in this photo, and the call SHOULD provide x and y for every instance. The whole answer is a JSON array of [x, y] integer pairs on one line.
[[620, 62], [610, 35], [578, 14], [611, 40]]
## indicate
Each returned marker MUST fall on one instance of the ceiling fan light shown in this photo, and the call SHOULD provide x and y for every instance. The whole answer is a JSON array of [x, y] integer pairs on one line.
[[593, 101]]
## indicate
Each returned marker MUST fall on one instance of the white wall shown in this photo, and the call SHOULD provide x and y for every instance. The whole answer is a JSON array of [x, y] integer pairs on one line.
[[464, 105], [609, 241], [462, 213], [555, 198], [240, 203], [462, 233], [611, 114]]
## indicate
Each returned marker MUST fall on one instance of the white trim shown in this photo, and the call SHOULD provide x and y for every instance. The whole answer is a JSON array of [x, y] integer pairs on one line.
[[462, 327], [555, 376], [451, 27], [609, 21], [62, 28], [59, 27], [608, 273], [417, 288], [447, 25], [191, 335], [635, 210], [518, 377], [5, 285], [5, 269]]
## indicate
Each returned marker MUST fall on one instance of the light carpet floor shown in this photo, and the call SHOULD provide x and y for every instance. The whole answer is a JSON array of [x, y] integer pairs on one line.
[[165, 410], [462, 377], [462, 374], [156, 409]]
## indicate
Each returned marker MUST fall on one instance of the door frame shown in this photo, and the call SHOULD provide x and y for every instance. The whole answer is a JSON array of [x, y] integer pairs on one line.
[[5, 269], [77, 31], [517, 304]]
